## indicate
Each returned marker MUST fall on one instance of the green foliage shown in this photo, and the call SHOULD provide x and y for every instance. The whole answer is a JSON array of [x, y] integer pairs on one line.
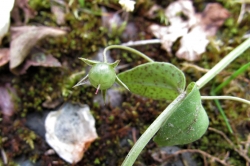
[[156, 80], [188, 122]]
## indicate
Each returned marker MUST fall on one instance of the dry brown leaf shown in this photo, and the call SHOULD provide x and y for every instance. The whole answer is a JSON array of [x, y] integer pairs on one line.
[[194, 43], [59, 8], [195, 30], [178, 27], [26, 10], [4, 56], [38, 59], [26, 37], [111, 20]]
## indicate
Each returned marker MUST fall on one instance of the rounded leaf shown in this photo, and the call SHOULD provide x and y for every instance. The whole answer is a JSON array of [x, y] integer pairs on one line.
[[187, 124], [156, 80]]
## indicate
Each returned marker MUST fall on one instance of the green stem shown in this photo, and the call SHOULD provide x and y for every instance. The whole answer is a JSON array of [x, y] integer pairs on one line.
[[233, 76], [127, 49], [217, 103], [165, 115], [151, 131], [225, 98], [223, 63]]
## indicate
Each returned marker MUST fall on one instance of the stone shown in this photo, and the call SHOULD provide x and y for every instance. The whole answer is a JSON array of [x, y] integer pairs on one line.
[[70, 131]]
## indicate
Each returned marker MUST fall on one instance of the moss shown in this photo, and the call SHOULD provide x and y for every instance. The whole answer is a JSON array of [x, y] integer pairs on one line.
[[114, 125]]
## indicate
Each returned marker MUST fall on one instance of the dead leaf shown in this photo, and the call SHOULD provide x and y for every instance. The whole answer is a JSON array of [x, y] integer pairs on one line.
[[38, 59], [7, 105], [4, 56], [194, 43], [59, 8], [178, 26], [26, 10], [26, 37], [213, 17], [194, 28], [111, 20]]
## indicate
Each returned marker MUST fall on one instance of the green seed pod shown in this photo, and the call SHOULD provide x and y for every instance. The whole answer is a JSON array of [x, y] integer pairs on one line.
[[102, 75]]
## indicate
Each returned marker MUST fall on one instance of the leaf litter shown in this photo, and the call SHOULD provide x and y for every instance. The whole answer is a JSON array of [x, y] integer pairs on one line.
[[24, 38], [194, 29]]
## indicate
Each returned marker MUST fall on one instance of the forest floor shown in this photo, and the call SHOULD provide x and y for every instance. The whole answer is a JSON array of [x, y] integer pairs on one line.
[[39, 65]]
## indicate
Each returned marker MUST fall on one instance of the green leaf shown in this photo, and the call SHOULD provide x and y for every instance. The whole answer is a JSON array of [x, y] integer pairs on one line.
[[89, 62], [187, 124], [156, 80], [113, 65]]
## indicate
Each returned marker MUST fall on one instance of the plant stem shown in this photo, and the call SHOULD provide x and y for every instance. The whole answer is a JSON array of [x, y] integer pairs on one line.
[[233, 76], [217, 103], [127, 49], [223, 63], [165, 115], [225, 98], [151, 131]]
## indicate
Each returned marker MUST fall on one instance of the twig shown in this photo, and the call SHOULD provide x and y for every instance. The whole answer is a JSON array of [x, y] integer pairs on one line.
[[202, 153], [242, 12], [189, 65], [4, 157], [134, 134], [240, 151], [223, 73], [142, 42]]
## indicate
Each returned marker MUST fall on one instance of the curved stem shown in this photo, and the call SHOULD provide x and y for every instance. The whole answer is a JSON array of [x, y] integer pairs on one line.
[[225, 98], [223, 63], [151, 131], [127, 49]]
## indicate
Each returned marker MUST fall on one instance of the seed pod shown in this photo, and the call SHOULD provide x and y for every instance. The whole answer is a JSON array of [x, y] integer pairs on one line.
[[102, 75]]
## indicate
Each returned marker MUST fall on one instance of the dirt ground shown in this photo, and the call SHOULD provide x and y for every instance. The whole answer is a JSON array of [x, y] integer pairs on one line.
[[39, 65]]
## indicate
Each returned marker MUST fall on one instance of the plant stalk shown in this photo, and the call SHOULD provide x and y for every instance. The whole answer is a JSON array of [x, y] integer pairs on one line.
[[225, 98], [223, 63], [151, 131], [127, 49]]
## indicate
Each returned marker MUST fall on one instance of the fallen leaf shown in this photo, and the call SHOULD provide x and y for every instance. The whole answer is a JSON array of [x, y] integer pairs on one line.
[[59, 8], [22, 5], [4, 56], [194, 43], [38, 59], [194, 29], [7, 105], [178, 26], [111, 20], [26, 37]]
